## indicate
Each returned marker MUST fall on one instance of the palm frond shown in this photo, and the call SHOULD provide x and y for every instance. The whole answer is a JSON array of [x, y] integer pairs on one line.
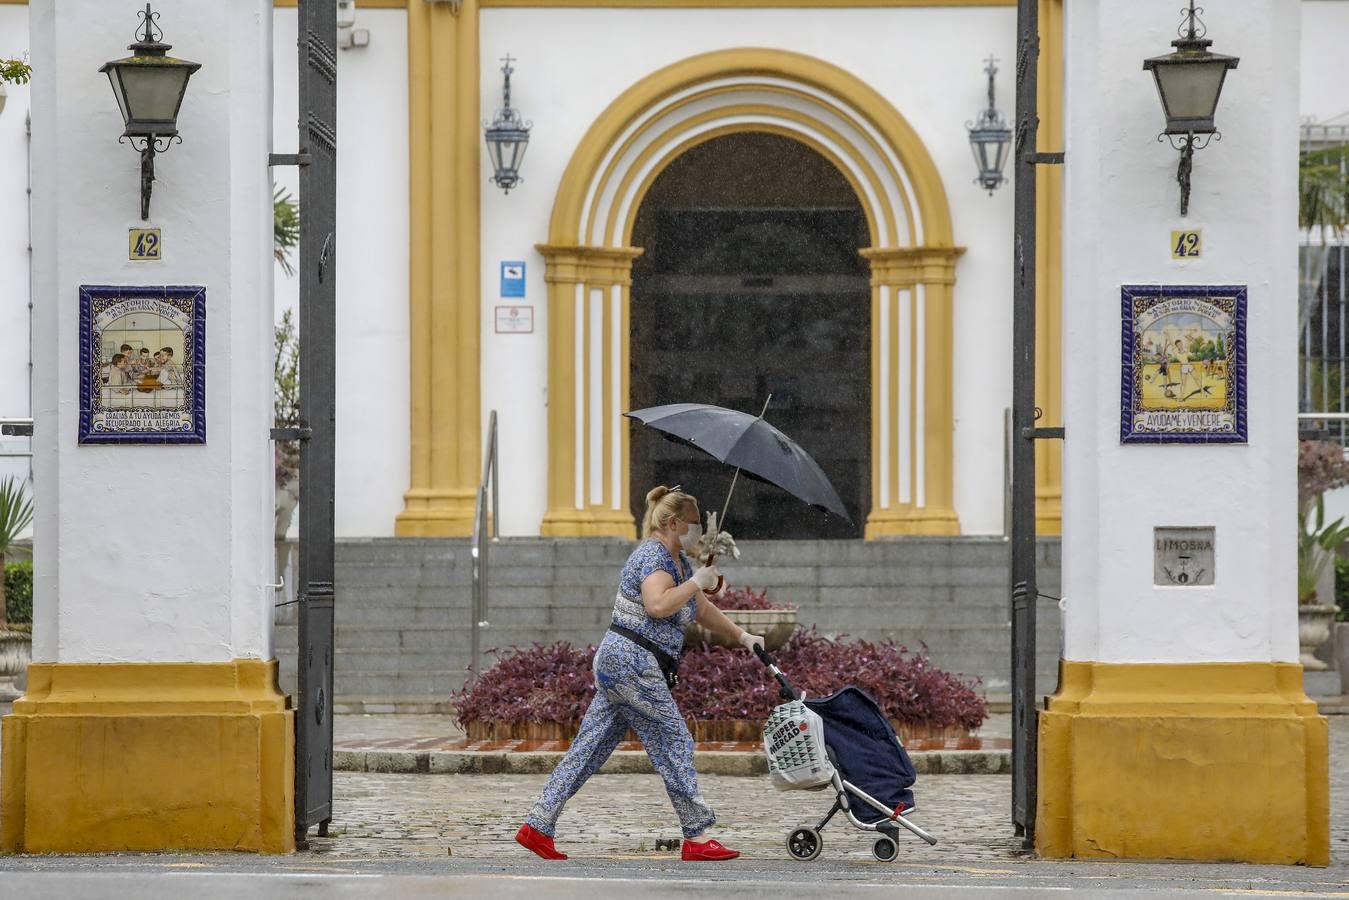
[[16, 511], [285, 228]]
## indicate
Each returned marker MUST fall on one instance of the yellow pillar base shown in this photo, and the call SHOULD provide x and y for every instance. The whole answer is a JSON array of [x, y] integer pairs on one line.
[[149, 756], [594, 521], [436, 513], [1215, 761], [907, 522]]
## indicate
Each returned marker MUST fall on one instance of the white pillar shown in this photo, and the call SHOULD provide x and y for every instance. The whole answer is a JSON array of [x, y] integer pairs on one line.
[[153, 561], [1180, 728]]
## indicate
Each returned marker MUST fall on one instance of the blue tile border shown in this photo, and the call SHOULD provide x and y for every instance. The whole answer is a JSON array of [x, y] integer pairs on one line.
[[195, 367], [1130, 365]]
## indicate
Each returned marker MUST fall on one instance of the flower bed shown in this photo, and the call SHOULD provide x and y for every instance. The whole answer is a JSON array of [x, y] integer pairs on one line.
[[541, 692], [748, 598]]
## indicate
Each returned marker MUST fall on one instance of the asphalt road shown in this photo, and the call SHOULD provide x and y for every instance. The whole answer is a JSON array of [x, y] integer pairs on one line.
[[221, 876]]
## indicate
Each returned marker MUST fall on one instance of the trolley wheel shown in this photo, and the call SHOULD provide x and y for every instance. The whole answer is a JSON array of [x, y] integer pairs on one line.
[[885, 849], [804, 844]]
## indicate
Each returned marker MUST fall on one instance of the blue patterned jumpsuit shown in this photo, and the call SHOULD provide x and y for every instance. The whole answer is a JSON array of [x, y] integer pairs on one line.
[[630, 692]]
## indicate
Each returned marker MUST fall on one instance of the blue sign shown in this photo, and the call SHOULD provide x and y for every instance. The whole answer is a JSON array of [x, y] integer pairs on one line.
[[512, 278]]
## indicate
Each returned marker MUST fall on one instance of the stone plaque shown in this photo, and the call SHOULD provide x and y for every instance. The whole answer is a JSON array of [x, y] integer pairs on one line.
[[1182, 557]]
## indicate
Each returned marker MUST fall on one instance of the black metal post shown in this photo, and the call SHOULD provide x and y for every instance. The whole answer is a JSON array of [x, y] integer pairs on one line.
[[318, 373], [1024, 588]]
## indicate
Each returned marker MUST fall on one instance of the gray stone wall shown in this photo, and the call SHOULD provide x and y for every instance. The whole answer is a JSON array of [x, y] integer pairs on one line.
[[403, 627]]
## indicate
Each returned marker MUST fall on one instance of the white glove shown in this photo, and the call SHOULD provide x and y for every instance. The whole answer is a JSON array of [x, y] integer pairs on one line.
[[750, 641], [706, 578]]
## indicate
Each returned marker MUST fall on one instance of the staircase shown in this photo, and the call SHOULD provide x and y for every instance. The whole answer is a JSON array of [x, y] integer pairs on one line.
[[403, 605]]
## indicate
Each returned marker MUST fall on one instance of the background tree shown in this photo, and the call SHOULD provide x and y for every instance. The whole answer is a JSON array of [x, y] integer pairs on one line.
[[1322, 213]]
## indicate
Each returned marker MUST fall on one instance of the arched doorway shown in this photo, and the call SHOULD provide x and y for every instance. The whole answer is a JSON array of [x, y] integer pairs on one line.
[[751, 283], [591, 250]]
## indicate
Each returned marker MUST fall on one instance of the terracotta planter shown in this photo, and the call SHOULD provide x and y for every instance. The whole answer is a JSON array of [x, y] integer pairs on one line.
[[16, 652], [1313, 630], [776, 625], [703, 730]]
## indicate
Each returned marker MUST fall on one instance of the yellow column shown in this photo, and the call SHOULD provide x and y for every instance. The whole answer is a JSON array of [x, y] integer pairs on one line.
[[444, 259], [1219, 761], [1049, 272], [578, 360], [149, 756], [915, 337]]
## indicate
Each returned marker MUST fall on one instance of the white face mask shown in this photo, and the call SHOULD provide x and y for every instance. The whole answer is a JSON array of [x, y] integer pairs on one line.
[[689, 539]]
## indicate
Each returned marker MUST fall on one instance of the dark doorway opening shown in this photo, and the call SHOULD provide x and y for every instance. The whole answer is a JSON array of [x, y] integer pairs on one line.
[[751, 284]]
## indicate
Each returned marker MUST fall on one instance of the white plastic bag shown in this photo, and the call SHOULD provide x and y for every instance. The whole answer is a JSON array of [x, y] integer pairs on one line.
[[793, 739]]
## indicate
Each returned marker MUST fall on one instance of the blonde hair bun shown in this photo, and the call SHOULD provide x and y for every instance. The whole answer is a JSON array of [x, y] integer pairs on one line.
[[663, 504]]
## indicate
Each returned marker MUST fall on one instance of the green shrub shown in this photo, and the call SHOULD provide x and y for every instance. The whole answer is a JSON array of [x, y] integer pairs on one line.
[[19, 592]]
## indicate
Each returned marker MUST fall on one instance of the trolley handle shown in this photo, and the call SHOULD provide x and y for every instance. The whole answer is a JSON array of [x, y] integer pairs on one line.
[[785, 687]]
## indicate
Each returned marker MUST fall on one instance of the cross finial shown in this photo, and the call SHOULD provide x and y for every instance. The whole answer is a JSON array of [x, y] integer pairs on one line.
[[506, 70], [991, 69]]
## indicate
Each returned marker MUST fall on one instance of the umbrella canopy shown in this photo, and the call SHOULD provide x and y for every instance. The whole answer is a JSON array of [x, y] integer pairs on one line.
[[748, 443]]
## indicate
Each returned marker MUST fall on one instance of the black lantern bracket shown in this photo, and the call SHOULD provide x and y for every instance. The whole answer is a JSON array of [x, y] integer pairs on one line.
[[150, 103], [149, 145], [1186, 144]]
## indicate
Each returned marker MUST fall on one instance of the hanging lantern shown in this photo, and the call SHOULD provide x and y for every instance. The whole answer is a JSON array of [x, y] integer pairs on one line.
[[507, 137], [990, 139], [1189, 82], [149, 86]]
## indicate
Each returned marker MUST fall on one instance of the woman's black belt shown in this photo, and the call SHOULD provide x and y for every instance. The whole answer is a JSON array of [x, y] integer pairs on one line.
[[669, 665]]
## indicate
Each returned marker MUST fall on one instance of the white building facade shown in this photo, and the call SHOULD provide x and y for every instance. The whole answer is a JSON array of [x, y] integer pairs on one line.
[[617, 91]]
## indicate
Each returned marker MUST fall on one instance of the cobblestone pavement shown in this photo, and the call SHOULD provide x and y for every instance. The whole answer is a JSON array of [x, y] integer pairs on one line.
[[475, 816]]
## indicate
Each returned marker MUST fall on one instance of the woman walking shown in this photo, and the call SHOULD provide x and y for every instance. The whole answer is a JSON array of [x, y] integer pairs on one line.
[[658, 594]]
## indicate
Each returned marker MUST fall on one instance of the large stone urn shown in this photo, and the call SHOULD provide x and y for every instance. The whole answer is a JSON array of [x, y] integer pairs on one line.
[[1313, 630], [16, 652], [776, 625]]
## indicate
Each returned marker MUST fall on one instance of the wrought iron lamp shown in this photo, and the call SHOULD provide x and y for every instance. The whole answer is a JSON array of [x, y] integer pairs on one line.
[[149, 86], [507, 137], [989, 139], [1189, 82]]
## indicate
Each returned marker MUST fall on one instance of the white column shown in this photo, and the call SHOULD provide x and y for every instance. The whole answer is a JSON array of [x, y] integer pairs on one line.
[[1122, 202], [1180, 727], [154, 553]]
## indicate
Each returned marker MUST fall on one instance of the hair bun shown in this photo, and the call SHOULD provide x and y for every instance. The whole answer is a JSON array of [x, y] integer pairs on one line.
[[656, 493]]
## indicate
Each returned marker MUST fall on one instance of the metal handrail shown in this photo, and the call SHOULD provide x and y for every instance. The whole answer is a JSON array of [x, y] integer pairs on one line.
[[490, 475]]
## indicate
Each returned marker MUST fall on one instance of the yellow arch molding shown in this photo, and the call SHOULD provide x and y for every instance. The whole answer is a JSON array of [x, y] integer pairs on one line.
[[669, 155], [933, 210], [622, 150], [600, 172]]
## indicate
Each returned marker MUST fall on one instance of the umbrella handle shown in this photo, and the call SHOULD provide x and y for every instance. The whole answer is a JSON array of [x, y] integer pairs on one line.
[[721, 581]]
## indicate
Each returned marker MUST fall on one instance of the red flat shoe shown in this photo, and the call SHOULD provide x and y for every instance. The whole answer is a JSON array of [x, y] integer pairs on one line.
[[540, 843], [707, 850]]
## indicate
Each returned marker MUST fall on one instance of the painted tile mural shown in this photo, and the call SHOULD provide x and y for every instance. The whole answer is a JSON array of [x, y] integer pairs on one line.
[[142, 364], [1183, 364]]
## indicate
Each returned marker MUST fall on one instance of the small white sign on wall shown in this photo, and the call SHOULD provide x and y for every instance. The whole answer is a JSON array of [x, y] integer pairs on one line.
[[515, 320]]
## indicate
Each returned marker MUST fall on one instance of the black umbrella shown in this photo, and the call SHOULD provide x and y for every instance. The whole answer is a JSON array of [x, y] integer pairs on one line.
[[750, 444]]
